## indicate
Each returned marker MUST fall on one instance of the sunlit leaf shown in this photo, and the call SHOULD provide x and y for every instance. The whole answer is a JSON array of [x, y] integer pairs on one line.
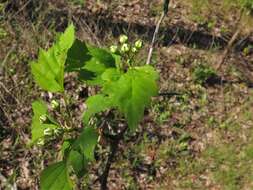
[[55, 177], [48, 70], [96, 104], [133, 92]]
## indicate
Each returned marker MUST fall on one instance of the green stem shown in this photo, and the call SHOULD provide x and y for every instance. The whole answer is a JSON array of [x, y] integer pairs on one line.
[[68, 116]]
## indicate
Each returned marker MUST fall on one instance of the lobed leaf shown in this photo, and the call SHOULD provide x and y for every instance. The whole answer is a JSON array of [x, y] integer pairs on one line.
[[133, 92], [48, 71], [102, 56], [77, 56], [100, 61]]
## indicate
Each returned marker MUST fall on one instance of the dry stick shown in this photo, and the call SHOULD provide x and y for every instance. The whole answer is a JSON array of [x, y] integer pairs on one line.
[[227, 50], [165, 11], [20, 9], [231, 42], [154, 38]]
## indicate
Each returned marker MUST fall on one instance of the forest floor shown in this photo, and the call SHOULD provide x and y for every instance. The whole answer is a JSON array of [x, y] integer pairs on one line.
[[198, 133]]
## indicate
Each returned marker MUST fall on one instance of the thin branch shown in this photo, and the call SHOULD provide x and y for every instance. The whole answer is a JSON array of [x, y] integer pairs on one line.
[[154, 39], [169, 94], [20, 9], [231, 41], [165, 11], [114, 144], [7, 57], [9, 93], [104, 176]]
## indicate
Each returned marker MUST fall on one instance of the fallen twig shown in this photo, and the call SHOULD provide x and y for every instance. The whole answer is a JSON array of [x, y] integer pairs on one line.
[[231, 42], [165, 10]]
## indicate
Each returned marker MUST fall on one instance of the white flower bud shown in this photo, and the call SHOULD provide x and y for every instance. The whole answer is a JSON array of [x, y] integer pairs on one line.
[[125, 48], [138, 44], [43, 118], [123, 39], [57, 131], [47, 132], [134, 50], [113, 48], [54, 104], [41, 142]]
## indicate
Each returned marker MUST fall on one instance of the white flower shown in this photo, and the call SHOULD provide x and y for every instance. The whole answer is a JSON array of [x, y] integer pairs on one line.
[[125, 48], [134, 50], [54, 104], [41, 142], [138, 44], [47, 132], [43, 118], [113, 48], [123, 39], [57, 131]]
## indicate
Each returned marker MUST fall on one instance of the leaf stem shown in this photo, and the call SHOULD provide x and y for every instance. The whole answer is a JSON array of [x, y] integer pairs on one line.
[[67, 118]]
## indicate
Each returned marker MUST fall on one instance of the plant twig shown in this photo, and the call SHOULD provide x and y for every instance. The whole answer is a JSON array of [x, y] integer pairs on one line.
[[165, 10], [154, 38], [68, 111], [20, 9], [114, 144]]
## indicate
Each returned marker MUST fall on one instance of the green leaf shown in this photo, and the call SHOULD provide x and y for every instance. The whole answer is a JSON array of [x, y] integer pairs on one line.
[[96, 104], [78, 55], [133, 92], [90, 62], [55, 177], [87, 142], [48, 70], [39, 109], [78, 162], [118, 62], [100, 61], [102, 56], [75, 158], [110, 75]]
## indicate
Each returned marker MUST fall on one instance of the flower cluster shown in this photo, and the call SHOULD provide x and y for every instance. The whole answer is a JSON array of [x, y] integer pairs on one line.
[[125, 47]]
